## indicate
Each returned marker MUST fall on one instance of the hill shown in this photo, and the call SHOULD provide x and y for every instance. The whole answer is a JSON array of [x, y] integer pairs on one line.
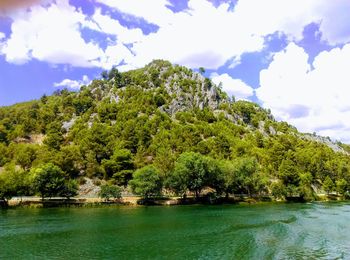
[[165, 128]]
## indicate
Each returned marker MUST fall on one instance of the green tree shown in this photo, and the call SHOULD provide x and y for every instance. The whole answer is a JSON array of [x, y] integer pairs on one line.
[[278, 190], [146, 182], [230, 177], [104, 75], [189, 174], [120, 166], [328, 185], [115, 74], [4, 158], [25, 154], [194, 172], [305, 186], [342, 186], [69, 189], [54, 135], [48, 180], [5, 190], [70, 160], [110, 191], [3, 134], [246, 172], [13, 182], [288, 172]]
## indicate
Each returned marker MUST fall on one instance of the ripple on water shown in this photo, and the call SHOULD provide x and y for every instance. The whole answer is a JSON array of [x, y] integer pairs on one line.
[[295, 231]]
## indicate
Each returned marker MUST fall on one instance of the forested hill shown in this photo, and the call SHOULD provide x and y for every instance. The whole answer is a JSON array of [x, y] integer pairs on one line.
[[163, 128]]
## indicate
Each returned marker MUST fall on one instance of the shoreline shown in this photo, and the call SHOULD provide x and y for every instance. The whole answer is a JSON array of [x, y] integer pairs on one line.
[[36, 202]]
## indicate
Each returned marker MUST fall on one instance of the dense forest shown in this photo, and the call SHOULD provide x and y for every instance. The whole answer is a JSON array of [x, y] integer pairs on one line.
[[162, 129]]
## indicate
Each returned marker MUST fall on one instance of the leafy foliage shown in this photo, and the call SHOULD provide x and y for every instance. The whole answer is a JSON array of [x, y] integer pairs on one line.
[[110, 191], [146, 182], [193, 172], [196, 139], [49, 180]]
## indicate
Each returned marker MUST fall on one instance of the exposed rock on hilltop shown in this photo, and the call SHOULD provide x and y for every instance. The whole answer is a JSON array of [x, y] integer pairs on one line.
[[177, 88]]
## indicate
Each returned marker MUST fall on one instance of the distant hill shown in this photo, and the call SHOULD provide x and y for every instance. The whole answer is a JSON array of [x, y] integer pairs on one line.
[[151, 116]]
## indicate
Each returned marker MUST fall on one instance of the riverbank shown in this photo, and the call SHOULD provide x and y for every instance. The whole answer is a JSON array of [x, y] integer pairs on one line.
[[128, 201], [138, 201]]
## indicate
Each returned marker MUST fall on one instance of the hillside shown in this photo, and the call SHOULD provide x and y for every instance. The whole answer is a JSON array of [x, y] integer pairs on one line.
[[167, 121]]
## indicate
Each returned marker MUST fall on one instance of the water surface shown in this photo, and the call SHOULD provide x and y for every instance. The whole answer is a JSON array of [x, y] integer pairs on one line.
[[273, 231]]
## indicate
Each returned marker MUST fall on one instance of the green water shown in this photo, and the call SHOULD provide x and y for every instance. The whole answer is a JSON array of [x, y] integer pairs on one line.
[[274, 231]]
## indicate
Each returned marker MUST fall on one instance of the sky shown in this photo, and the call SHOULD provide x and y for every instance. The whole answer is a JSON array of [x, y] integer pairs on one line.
[[292, 57]]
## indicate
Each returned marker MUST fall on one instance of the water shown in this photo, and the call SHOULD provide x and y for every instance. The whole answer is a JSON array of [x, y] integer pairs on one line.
[[274, 231]]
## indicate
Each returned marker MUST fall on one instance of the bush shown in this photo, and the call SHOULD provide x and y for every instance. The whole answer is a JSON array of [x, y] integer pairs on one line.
[[110, 191], [70, 189], [48, 180], [146, 182]]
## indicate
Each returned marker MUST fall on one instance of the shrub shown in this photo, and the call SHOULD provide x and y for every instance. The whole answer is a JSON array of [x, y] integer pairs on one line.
[[110, 191]]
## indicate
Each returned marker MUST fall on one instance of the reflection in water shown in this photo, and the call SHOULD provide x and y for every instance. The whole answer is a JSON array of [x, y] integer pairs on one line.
[[273, 231]]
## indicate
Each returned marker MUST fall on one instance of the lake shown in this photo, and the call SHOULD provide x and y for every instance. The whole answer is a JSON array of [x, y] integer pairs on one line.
[[267, 231]]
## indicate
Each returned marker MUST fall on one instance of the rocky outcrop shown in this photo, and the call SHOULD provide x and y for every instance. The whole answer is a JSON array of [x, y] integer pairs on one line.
[[324, 140], [88, 189], [68, 124], [189, 90]]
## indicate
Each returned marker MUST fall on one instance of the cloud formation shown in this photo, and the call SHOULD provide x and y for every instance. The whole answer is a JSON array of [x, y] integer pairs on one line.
[[155, 11], [207, 35], [313, 98], [52, 35], [73, 84], [201, 35], [233, 87]]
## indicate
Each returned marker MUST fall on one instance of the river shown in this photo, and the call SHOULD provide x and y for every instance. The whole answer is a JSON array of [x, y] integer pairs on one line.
[[268, 231]]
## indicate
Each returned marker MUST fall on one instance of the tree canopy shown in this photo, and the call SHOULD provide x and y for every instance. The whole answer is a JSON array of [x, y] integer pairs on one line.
[[162, 124]]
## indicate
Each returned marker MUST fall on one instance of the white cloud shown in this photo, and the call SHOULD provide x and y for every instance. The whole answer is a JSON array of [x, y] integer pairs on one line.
[[334, 20], [50, 34], [114, 55], [73, 84], [2, 35], [233, 87], [204, 35], [290, 17], [311, 99], [116, 51], [235, 62], [53, 34], [154, 11], [106, 24], [198, 37], [201, 36]]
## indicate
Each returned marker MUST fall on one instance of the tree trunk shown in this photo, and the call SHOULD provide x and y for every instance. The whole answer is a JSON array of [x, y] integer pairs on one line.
[[197, 194], [249, 195]]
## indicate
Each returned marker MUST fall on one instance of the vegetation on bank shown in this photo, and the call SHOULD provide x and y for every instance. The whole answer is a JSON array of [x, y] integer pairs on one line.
[[162, 129]]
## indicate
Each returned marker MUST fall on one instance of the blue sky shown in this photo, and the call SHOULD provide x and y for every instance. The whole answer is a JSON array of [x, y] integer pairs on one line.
[[292, 57]]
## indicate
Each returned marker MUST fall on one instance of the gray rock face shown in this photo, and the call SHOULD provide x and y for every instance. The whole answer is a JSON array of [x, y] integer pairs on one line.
[[88, 189], [186, 88], [324, 140], [272, 130], [68, 124], [191, 91]]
